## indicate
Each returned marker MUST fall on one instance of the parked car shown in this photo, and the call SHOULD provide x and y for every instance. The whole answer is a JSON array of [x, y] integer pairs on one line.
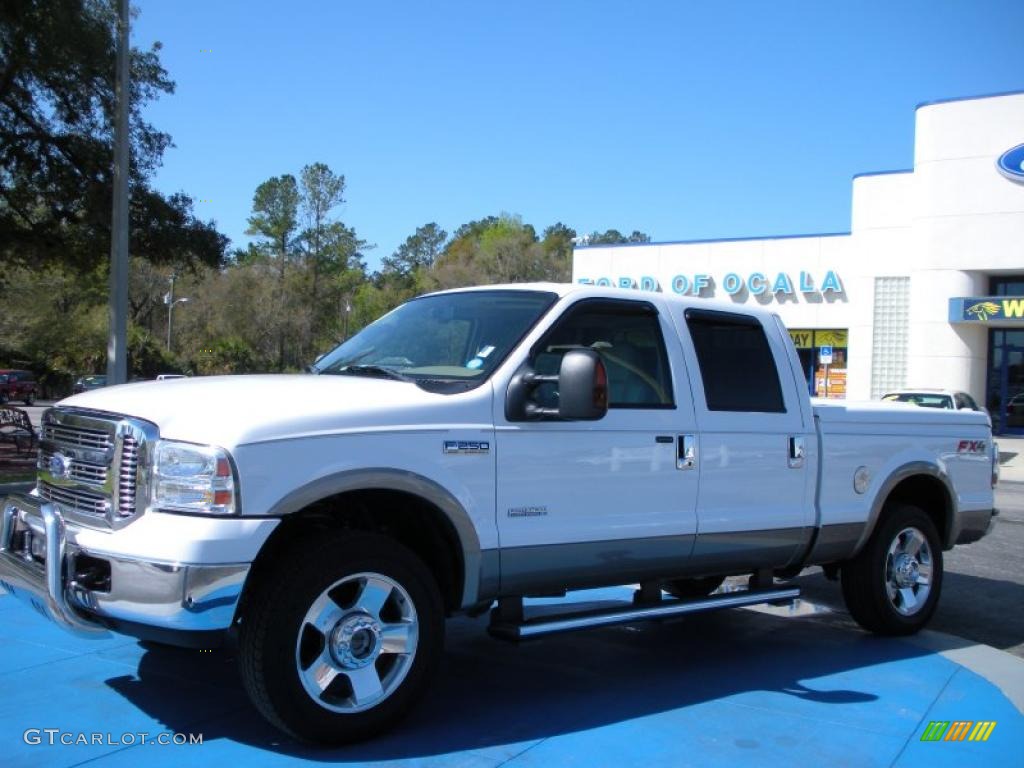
[[17, 385], [927, 397], [89, 383]]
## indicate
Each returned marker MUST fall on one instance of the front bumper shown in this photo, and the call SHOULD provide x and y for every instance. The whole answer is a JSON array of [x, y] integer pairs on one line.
[[86, 592]]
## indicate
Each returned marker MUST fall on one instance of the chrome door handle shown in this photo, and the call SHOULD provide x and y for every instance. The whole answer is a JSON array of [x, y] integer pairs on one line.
[[686, 458], [797, 452]]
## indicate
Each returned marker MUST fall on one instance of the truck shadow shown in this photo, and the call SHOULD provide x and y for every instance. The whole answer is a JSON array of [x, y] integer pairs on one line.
[[974, 608], [490, 695]]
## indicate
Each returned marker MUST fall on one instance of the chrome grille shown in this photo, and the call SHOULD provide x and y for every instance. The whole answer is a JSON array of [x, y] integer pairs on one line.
[[78, 436], [90, 465], [77, 500], [126, 481]]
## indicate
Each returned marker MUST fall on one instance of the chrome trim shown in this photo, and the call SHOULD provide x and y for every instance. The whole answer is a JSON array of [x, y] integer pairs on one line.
[[40, 584], [686, 455], [797, 451], [561, 623], [107, 484], [180, 596]]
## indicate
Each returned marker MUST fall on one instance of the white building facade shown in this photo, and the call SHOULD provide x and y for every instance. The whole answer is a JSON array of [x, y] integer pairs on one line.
[[926, 290]]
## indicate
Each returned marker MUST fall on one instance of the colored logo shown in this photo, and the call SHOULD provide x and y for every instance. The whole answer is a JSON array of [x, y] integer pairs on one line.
[[983, 310], [1011, 164], [958, 730]]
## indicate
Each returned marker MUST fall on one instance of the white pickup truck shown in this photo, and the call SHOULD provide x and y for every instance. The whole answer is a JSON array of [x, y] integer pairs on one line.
[[468, 449]]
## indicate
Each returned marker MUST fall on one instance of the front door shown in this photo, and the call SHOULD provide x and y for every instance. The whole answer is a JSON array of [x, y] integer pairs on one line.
[[599, 502], [1006, 381]]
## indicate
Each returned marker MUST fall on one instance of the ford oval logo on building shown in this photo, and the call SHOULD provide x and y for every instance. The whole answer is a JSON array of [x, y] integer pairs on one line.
[[1011, 164]]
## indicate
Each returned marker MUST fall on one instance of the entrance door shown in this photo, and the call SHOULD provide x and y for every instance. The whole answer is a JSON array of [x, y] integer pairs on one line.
[[1006, 382]]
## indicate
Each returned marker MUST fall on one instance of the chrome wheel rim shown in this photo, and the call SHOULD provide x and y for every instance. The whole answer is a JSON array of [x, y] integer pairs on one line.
[[357, 642], [908, 571]]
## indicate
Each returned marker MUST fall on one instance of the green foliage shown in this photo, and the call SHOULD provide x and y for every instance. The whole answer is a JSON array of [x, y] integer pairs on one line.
[[419, 251], [56, 143], [614, 237]]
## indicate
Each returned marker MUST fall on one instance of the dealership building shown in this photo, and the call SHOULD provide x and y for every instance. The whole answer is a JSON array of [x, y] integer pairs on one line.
[[925, 290]]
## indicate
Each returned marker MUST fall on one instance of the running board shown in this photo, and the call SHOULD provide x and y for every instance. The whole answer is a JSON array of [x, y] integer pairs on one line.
[[569, 622]]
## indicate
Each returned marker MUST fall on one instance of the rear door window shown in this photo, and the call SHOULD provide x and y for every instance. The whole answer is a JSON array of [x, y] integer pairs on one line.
[[736, 363]]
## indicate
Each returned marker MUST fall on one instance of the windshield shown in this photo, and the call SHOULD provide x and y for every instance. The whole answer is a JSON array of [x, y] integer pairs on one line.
[[454, 340], [924, 399]]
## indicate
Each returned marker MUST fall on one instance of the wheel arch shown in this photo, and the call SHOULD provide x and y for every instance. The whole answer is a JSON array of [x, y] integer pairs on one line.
[[418, 512], [924, 485]]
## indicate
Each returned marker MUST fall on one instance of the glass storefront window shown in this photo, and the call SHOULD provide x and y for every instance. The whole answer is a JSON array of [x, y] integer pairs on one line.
[[822, 380]]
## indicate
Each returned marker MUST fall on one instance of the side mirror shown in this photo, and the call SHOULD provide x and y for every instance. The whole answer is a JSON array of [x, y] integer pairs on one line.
[[582, 383]]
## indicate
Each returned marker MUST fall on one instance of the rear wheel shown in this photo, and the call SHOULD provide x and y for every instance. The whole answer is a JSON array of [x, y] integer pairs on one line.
[[692, 589], [29, 399], [342, 639], [892, 586]]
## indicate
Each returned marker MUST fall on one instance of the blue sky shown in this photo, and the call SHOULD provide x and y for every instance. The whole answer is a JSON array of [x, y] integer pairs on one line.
[[685, 120]]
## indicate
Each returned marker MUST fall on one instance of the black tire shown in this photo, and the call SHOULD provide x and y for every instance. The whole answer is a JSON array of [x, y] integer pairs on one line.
[[29, 399], [868, 578], [3, 398], [692, 589], [271, 652]]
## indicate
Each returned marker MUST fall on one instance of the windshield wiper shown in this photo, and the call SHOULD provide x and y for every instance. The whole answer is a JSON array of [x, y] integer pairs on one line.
[[373, 370]]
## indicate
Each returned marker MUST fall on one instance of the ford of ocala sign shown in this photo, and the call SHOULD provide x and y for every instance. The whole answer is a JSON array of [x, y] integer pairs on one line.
[[733, 283], [1011, 164]]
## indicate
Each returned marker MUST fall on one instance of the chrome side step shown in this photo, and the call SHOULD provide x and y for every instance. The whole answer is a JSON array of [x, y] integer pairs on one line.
[[568, 622]]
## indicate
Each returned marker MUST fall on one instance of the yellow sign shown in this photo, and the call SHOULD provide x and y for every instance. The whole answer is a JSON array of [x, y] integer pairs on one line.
[[809, 339]]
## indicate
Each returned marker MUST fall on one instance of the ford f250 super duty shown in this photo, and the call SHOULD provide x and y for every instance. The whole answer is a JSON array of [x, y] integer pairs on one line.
[[467, 450]]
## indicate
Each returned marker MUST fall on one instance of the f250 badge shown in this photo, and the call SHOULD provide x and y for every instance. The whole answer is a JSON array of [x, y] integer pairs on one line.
[[972, 446], [466, 446], [528, 512]]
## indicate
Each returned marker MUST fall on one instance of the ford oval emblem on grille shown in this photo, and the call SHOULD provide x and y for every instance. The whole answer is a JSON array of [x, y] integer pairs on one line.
[[1011, 164], [60, 466]]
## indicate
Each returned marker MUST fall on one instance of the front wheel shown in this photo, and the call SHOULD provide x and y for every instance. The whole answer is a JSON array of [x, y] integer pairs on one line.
[[342, 638], [892, 586]]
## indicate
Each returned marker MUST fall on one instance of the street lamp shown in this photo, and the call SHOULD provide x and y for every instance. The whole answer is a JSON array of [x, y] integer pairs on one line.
[[170, 301]]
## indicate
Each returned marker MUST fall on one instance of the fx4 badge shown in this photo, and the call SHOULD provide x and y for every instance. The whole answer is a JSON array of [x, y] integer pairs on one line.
[[972, 446], [466, 446]]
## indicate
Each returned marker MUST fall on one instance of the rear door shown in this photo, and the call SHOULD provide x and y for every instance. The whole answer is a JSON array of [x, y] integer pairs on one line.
[[587, 503], [755, 507]]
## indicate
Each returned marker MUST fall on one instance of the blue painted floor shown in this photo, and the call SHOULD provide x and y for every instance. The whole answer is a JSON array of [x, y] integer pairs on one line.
[[733, 688]]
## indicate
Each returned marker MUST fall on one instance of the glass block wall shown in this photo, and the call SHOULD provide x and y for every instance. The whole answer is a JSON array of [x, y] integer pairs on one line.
[[891, 330]]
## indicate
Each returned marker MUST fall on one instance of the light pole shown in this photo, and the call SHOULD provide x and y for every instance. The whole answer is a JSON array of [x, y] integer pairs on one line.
[[170, 301], [348, 311]]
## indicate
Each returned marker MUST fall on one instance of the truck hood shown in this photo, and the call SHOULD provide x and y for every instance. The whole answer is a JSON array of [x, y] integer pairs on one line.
[[876, 412], [234, 410]]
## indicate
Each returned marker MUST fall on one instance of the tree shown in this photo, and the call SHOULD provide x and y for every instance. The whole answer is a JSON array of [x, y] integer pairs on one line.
[[275, 212], [56, 143], [320, 191], [614, 237], [419, 251]]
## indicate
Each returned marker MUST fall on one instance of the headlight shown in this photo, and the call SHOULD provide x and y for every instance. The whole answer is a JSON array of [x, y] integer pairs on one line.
[[193, 478]]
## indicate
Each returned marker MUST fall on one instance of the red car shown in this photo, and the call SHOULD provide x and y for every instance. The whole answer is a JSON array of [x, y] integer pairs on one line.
[[17, 385]]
